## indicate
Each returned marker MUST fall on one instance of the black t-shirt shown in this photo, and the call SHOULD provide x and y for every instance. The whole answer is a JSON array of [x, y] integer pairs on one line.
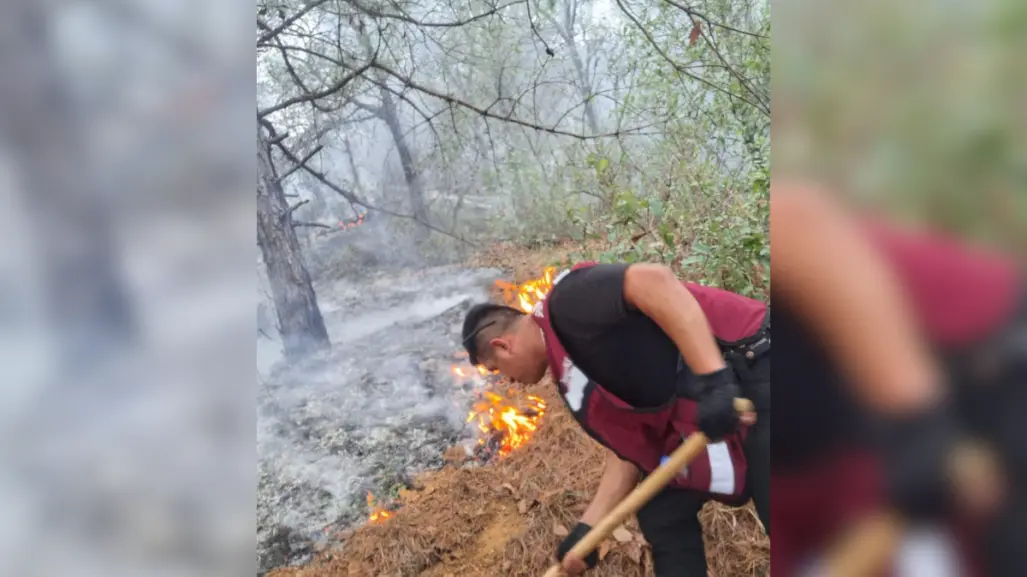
[[814, 411], [613, 343]]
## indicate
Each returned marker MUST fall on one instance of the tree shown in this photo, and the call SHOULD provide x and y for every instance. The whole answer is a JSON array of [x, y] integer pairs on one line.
[[567, 26], [300, 323], [86, 301], [533, 113]]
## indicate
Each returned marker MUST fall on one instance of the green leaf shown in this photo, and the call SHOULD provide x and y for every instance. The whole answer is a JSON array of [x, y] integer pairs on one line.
[[656, 207]]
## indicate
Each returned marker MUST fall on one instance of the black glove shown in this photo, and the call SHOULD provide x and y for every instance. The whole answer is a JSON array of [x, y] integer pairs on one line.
[[716, 394], [916, 450], [577, 534]]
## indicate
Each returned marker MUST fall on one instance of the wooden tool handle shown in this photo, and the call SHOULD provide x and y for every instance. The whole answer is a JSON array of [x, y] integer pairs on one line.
[[868, 547], [654, 483], [744, 406]]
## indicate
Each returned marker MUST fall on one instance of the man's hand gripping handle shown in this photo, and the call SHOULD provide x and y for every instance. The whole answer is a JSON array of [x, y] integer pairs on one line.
[[646, 490]]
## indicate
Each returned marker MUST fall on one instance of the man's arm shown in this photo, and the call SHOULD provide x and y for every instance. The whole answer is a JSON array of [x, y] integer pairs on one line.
[[655, 291], [619, 478], [827, 273]]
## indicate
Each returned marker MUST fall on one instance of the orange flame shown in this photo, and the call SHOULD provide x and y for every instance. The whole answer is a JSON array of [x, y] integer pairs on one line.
[[527, 294], [377, 513], [513, 422], [466, 371], [516, 424], [359, 220]]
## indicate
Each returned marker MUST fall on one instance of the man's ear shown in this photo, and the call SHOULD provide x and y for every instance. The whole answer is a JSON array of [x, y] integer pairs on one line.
[[500, 343]]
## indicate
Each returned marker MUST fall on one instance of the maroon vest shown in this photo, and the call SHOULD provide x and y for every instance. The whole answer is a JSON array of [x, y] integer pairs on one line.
[[645, 436], [960, 293]]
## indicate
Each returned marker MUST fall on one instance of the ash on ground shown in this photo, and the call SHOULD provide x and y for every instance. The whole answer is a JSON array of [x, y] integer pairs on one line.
[[379, 408]]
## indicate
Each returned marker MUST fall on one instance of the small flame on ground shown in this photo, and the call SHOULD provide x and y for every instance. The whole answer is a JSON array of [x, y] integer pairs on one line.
[[515, 422], [527, 294], [502, 418], [346, 225], [377, 513], [468, 371]]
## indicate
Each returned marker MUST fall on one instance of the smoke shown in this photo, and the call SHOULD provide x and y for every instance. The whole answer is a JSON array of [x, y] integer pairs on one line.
[[125, 303], [377, 409]]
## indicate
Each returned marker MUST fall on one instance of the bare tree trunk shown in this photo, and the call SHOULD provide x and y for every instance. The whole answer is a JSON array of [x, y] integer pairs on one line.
[[410, 173], [299, 319], [87, 305], [389, 114], [584, 86]]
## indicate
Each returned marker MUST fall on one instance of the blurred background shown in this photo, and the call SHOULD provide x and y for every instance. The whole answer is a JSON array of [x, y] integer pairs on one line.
[[914, 112], [913, 107], [126, 287]]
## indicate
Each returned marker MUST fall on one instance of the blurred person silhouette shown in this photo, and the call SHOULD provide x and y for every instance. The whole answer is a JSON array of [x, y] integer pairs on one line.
[[894, 348]]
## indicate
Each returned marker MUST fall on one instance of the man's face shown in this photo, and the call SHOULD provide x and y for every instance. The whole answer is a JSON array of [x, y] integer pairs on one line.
[[511, 356]]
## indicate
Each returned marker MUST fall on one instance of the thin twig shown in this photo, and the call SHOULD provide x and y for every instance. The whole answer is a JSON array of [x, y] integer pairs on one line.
[[263, 38], [305, 159]]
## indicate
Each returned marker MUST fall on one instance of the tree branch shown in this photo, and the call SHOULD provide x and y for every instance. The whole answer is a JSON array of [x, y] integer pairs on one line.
[[448, 98], [693, 13], [678, 67], [531, 23], [352, 198], [374, 13], [305, 159], [287, 215], [309, 96], [743, 81], [265, 37]]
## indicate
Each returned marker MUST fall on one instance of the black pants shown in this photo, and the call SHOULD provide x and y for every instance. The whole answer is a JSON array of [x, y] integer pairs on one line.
[[670, 521]]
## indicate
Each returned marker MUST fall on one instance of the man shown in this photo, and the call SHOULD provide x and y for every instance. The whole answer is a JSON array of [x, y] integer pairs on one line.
[[642, 360], [895, 349]]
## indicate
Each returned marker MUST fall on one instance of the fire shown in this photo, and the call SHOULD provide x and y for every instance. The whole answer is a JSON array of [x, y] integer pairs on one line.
[[377, 513], [527, 294], [359, 220], [509, 423], [466, 373]]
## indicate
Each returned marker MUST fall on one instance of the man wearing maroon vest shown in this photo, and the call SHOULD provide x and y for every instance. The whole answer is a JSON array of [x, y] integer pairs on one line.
[[642, 360], [892, 349]]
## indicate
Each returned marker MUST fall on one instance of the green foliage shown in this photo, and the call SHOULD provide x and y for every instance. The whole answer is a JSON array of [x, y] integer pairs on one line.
[[696, 199], [683, 182], [724, 242], [876, 119]]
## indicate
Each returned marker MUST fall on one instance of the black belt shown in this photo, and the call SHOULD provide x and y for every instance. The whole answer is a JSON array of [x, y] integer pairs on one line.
[[740, 355], [751, 348]]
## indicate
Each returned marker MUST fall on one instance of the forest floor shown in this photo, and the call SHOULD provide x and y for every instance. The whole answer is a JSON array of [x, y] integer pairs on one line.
[[505, 518]]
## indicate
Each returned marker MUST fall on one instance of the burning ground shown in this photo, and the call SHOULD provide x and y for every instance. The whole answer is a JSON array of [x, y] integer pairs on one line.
[[381, 407], [516, 472], [506, 518]]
